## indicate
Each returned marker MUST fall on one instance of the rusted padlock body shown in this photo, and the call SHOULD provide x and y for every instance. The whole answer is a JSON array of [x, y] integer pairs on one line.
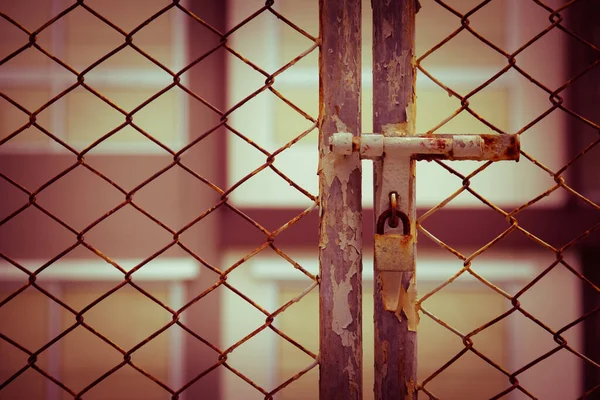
[[394, 256], [394, 252]]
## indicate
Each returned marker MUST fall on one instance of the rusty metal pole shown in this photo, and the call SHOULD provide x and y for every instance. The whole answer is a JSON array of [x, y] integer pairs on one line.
[[340, 229], [394, 78]]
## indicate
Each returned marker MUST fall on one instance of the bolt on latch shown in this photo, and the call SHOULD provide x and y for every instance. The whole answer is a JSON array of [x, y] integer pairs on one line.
[[447, 147]]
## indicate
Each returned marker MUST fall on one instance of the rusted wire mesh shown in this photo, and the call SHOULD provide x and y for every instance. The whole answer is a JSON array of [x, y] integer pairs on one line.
[[557, 103], [128, 198]]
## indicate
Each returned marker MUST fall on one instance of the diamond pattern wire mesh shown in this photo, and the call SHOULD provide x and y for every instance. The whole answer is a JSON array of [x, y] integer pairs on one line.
[[128, 198], [556, 96]]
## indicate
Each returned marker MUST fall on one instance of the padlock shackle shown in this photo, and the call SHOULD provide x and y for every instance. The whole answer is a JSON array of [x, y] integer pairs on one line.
[[386, 215]]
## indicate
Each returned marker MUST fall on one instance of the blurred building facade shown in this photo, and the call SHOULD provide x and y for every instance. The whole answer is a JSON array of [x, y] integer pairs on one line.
[[131, 157]]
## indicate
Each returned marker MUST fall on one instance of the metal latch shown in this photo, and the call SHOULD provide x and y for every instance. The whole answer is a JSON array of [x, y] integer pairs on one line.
[[395, 251], [448, 147]]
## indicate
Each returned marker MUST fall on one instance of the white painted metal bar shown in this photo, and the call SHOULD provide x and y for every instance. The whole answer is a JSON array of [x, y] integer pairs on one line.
[[451, 147]]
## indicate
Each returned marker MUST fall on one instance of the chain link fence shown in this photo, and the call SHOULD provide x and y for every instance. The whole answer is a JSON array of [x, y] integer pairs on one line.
[[78, 79], [558, 102]]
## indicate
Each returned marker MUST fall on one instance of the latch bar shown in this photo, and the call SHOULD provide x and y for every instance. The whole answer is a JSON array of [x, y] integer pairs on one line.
[[492, 147]]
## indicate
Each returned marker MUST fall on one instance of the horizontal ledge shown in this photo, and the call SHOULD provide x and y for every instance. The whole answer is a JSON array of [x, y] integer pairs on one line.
[[430, 271], [477, 226], [113, 77], [154, 77], [91, 270], [449, 76]]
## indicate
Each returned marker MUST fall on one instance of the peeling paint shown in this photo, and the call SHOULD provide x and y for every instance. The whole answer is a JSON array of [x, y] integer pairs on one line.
[[387, 29], [342, 317], [341, 212], [408, 303], [394, 115], [340, 126], [352, 381], [398, 129], [400, 300]]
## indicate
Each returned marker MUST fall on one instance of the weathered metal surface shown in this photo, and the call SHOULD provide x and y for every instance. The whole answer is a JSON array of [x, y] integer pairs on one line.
[[340, 239], [394, 255], [447, 147], [494, 147], [394, 115], [393, 252]]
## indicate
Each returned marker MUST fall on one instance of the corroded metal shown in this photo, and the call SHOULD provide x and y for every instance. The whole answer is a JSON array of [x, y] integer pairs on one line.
[[340, 239], [585, 223], [443, 147], [394, 104]]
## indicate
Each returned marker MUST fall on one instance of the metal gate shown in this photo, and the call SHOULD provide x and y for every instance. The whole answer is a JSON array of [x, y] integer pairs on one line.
[[158, 226]]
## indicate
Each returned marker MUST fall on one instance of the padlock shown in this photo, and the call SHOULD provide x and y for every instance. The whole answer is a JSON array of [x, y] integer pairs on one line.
[[394, 251], [394, 257]]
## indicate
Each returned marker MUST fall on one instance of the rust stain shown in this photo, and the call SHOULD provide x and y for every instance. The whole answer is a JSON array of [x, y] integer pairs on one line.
[[437, 144], [394, 252], [411, 389], [355, 143], [495, 147], [501, 147]]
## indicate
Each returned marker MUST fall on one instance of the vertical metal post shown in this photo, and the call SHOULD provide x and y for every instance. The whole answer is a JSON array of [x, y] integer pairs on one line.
[[340, 229], [394, 77]]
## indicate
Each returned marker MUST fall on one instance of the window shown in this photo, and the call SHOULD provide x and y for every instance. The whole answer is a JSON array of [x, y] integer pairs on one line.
[[81, 357], [127, 78]]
